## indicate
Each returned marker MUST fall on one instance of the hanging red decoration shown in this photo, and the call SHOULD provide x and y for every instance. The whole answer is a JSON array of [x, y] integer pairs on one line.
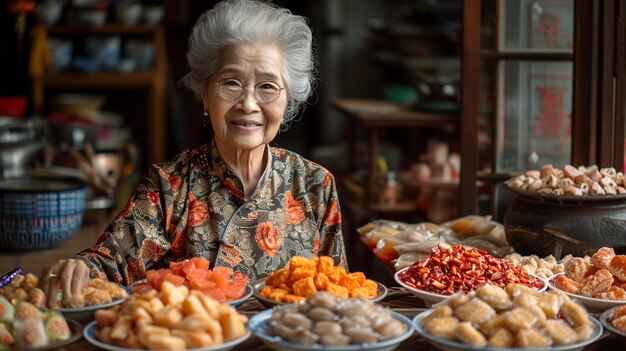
[[20, 8]]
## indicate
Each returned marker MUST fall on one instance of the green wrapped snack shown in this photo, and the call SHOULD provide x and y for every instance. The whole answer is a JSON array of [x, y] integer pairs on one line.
[[56, 326], [7, 311], [26, 310], [29, 333], [7, 341]]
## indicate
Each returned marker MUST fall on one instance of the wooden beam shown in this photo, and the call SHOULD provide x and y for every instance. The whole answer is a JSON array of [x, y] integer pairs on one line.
[[526, 56], [620, 84], [470, 107], [606, 116], [585, 94]]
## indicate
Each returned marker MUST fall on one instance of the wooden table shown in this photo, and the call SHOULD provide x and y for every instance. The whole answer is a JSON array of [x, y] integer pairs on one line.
[[397, 299]]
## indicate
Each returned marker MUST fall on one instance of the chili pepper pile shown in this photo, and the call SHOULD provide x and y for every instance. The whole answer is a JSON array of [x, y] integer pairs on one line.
[[447, 271]]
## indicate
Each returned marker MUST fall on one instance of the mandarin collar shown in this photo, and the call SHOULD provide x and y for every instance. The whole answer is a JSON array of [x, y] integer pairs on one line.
[[230, 179]]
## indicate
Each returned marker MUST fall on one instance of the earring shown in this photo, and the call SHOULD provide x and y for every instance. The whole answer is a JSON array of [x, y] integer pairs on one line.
[[206, 114]]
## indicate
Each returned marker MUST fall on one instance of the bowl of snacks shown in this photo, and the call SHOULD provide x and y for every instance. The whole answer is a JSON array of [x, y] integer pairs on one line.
[[142, 287], [614, 320], [98, 294], [174, 318], [305, 275], [447, 271], [17, 285], [513, 318], [574, 210], [258, 286], [593, 304], [220, 282], [324, 321], [597, 281]]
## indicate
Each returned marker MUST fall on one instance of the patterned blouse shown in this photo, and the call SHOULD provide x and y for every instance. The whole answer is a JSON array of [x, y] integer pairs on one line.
[[194, 206]]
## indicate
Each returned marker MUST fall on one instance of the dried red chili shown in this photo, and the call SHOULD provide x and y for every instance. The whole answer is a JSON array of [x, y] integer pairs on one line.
[[446, 271]]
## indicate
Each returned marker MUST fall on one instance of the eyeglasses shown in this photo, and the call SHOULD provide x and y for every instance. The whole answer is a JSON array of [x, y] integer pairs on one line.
[[232, 90]]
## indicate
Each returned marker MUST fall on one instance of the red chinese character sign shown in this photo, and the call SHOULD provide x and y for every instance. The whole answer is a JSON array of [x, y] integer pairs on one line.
[[534, 115], [547, 27], [552, 121], [550, 113], [537, 25]]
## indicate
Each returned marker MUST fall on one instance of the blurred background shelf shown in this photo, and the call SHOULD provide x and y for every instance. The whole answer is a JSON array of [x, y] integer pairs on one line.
[[111, 80], [148, 81], [107, 28]]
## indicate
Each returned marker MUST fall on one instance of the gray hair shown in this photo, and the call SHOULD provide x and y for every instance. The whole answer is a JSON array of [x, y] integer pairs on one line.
[[250, 21]]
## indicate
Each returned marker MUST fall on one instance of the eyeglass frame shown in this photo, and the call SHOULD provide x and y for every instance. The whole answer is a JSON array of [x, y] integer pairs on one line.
[[219, 85]]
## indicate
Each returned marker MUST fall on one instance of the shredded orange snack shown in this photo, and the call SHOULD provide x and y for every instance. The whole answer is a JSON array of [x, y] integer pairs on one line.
[[303, 276]]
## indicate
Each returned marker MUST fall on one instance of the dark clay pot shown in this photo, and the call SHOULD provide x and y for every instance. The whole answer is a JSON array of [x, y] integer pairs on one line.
[[577, 225]]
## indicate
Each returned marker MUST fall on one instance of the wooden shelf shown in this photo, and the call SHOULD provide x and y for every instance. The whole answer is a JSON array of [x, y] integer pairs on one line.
[[379, 113], [105, 79], [107, 28], [152, 80]]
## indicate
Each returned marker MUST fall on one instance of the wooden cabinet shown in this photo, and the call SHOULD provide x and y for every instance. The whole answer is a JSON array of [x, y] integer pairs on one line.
[[374, 116], [152, 80], [598, 80]]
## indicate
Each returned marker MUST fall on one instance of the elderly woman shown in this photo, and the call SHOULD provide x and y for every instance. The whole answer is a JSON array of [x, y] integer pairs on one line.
[[237, 201]]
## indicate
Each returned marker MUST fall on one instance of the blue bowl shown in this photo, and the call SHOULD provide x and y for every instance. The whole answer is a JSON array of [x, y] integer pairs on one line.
[[39, 213]]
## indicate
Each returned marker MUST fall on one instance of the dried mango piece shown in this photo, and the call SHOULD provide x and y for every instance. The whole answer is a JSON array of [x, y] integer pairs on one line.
[[359, 277], [303, 286], [277, 294], [337, 290], [360, 292], [321, 281], [301, 273], [347, 282], [278, 277], [267, 291], [371, 287], [326, 265], [291, 298], [301, 262], [336, 274]]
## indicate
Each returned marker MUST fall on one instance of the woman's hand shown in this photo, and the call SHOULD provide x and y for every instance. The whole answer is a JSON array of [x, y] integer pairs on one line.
[[69, 275]]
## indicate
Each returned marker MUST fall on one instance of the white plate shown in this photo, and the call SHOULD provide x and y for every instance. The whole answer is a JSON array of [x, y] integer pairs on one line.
[[606, 319], [431, 298], [259, 326], [259, 284], [593, 305], [91, 327], [449, 345]]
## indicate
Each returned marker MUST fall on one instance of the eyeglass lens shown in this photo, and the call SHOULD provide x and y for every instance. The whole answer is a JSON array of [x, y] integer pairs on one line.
[[231, 90]]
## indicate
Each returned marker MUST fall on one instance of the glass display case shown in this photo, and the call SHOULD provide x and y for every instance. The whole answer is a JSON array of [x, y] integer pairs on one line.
[[542, 26], [525, 95], [534, 115], [534, 93]]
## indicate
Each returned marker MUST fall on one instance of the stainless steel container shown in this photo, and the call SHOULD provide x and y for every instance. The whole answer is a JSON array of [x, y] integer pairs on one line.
[[20, 142]]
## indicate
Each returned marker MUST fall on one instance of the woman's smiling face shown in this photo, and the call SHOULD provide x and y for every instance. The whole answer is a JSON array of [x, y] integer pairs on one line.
[[246, 123]]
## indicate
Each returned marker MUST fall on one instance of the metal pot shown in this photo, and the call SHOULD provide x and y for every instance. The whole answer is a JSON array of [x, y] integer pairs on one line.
[[577, 225], [20, 142]]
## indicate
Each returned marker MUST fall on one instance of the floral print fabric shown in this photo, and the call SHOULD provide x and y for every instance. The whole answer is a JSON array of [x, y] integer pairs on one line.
[[194, 206]]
